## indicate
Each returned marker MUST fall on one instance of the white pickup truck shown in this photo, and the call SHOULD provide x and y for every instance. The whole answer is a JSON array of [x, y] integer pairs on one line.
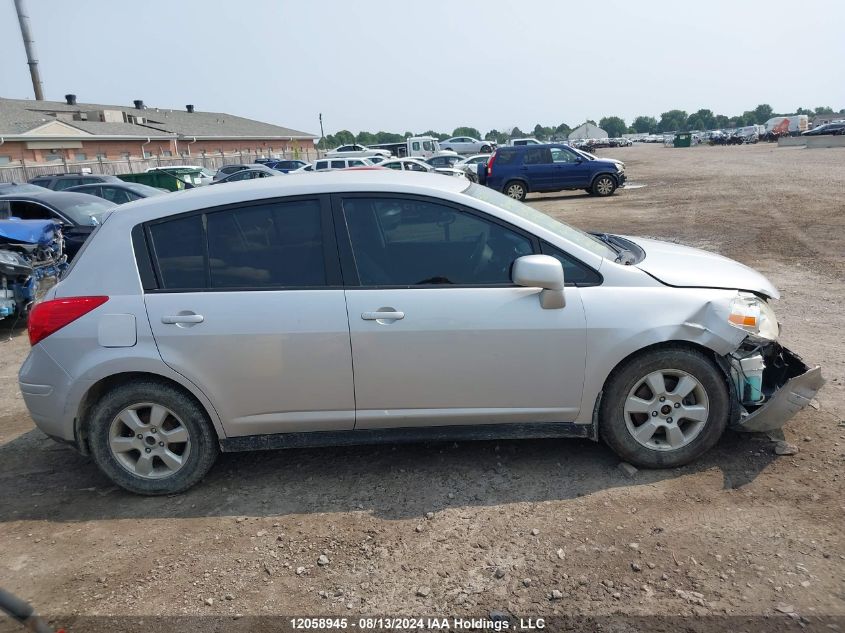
[[415, 146]]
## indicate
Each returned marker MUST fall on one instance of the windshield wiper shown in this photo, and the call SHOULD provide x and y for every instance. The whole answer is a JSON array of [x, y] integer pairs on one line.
[[623, 255]]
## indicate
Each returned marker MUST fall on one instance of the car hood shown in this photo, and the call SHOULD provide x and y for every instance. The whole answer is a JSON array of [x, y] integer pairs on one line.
[[683, 266], [610, 162]]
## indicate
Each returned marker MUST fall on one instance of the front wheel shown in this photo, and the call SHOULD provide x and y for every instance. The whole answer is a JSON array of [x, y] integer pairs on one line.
[[151, 438], [664, 408], [603, 186], [516, 189]]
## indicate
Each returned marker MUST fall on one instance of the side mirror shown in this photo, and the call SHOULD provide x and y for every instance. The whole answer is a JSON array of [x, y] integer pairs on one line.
[[541, 271]]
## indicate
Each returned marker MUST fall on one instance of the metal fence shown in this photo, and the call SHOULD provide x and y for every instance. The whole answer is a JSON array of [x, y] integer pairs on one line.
[[23, 171]]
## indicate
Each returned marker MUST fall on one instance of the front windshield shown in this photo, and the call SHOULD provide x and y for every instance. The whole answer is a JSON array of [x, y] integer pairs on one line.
[[584, 240], [87, 213]]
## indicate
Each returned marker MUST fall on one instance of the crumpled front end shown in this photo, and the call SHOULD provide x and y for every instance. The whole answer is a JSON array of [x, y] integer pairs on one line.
[[771, 383]]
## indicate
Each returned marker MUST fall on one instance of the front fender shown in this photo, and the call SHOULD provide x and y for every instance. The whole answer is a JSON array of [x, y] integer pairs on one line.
[[622, 321]]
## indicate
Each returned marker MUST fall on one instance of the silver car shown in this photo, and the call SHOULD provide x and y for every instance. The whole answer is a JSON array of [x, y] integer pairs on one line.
[[382, 306], [468, 145]]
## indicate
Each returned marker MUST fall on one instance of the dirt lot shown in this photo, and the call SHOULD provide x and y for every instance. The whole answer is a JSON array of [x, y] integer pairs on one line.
[[481, 527]]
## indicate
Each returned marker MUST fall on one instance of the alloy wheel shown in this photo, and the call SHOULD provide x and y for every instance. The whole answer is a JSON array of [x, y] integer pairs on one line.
[[604, 186], [149, 440], [666, 409], [515, 191]]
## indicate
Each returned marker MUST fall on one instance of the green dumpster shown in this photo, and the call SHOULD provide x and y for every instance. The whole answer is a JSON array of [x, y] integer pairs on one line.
[[173, 179], [682, 140]]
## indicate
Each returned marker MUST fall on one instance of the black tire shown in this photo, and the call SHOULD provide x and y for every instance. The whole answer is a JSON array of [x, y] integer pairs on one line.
[[203, 439], [603, 185], [613, 427], [515, 189], [485, 149]]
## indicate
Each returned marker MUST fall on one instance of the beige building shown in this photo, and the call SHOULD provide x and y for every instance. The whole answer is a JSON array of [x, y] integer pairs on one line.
[[47, 131]]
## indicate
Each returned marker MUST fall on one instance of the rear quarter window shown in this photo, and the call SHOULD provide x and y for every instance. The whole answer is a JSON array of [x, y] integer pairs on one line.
[[507, 158]]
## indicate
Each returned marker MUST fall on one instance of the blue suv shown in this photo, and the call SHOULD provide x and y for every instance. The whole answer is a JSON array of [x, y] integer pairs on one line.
[[552, 167]]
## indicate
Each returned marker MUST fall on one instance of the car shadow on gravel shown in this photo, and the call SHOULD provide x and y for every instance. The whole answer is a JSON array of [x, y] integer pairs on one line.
[[43, 480]]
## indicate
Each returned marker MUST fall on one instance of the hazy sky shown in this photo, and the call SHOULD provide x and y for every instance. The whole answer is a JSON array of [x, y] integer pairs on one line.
[[417, 65]]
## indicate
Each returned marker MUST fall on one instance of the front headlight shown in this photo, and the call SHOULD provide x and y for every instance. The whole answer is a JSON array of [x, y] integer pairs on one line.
[[752, 314]]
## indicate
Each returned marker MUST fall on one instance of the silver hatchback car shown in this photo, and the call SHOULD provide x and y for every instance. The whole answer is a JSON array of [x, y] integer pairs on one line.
[[375, 306]]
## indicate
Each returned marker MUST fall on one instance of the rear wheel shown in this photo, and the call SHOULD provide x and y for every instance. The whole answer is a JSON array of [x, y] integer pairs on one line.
[[151, 438], [516, 189], [664, 408], [603, 185]]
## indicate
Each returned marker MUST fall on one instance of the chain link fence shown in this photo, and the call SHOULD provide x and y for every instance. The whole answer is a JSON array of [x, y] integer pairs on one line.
[[23, 171]]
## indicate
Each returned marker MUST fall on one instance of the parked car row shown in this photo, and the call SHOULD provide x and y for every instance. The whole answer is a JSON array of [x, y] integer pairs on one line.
[[591, 144]]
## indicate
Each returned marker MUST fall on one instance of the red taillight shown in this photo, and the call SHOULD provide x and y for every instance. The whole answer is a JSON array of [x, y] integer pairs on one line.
[[52, 316], [490, 163]]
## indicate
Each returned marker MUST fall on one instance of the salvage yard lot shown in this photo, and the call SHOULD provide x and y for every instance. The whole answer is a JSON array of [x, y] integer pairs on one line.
[[476, 527]]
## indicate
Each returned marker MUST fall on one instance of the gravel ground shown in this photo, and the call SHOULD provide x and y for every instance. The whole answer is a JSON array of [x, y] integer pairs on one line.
[[527, 527]]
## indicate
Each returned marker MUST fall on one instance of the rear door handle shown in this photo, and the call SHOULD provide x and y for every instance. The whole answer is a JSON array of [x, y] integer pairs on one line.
[[182, 318], [383, 315]]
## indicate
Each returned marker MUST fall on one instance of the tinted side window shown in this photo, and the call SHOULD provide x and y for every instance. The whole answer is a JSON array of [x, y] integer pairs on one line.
[[338, 164], [406, 242], [538, 156], [29, 211], [278, 244], [64, 183], [178, 246], [574, 272], [118, 196], [506, 158]]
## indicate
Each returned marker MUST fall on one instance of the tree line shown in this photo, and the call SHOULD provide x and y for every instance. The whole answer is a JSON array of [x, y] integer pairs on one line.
[[670, 121]]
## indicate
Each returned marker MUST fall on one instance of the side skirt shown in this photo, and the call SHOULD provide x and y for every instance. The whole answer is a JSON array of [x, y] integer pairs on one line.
[[407, 436]]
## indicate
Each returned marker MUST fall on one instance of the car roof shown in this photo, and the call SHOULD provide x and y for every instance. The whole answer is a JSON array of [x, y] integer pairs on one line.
[[80, 175], [57, 199], [342, 181], [121, 184]]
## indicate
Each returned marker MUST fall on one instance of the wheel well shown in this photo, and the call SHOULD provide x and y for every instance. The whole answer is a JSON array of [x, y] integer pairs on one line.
[[98, 389], [605, 173], [720, 363], [523, 182]]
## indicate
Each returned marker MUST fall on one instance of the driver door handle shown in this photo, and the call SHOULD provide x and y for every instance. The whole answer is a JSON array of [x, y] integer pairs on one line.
[[383, 315]]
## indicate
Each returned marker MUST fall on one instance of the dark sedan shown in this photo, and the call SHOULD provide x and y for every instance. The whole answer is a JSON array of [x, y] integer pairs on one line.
[[58, 182], [284, 166], [20, 187], [833, 129], [78, 213], [253, 171], [119, 193]]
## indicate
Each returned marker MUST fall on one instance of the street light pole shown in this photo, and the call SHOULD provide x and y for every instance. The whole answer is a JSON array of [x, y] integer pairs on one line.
[[29, 45]]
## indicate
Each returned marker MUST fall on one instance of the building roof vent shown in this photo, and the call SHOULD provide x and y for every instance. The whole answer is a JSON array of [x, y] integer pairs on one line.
[[139, 104], [189, 107], [71, 99]]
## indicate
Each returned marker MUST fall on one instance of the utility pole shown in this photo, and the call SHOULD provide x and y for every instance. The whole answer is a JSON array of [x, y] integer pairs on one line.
[[29, 45], [322, 136]]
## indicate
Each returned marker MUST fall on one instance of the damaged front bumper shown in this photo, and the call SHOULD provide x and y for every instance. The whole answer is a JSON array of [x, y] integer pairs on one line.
[[788, 385]]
